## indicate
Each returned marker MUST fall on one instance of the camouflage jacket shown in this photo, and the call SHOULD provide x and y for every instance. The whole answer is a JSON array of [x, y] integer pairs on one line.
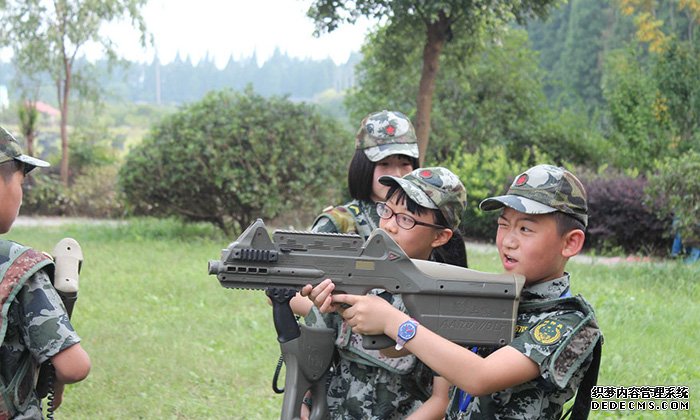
[[558, 333], [365, 384], [357, 216], [34, 328]]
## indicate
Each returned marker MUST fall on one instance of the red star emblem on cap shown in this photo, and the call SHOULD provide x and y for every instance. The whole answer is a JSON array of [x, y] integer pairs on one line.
[[426, 174], [522, 179], [391, 130]]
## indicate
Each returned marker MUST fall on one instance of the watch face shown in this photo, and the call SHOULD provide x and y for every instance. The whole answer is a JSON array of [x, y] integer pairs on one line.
[[407, 330]]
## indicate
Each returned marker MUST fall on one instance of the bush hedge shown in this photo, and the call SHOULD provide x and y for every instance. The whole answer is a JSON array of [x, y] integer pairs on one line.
[[93, 193], [620, 217], [675, 187], [233, 157]]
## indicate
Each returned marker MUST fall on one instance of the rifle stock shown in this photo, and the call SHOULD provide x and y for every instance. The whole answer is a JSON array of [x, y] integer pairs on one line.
[[462, 305], [68, 260]]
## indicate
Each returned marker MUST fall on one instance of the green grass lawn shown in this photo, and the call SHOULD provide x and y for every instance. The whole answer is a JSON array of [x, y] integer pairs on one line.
[[167, 341]]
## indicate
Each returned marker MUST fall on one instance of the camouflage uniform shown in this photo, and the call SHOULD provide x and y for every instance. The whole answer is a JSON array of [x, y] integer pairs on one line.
[[544, 189], [434, 188], [35, 325], [357, 216], [11, 150], [381, 134], [366, 384], [379, 387], [386, 133], [556, 333]]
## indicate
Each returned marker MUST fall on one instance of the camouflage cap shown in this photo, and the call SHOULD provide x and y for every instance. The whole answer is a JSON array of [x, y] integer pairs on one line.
[[434, 188], [544, 189], [386, 133], [10, 149]]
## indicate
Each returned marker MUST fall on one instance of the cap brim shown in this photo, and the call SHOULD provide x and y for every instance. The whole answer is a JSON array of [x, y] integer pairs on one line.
[[32, 162], [377, 153], [416, 194], [516, 202]]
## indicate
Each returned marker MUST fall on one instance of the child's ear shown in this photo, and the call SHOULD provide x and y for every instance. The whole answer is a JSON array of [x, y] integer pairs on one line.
[[573, 243], [442, 237]]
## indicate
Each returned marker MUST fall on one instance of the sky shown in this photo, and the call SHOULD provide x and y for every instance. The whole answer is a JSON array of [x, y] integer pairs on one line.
[[225, 28]]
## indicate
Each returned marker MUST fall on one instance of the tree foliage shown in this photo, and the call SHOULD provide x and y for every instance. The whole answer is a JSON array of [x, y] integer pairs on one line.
[[488, 172], [653, 105], [490, 94], [677, 75], [675, 186], [233, 157], [435, 24], [635, 112], [47, 37]]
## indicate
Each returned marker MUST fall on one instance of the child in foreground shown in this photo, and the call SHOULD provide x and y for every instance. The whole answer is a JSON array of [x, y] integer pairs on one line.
[[541, 225], [421, 213], [34, 326]]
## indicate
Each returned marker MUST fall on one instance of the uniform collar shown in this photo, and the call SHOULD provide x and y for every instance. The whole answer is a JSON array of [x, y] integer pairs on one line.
[[369, 208], [548, 290]]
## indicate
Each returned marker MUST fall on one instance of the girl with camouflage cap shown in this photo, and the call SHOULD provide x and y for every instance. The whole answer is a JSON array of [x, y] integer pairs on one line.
[[385, 145], [421, 212]]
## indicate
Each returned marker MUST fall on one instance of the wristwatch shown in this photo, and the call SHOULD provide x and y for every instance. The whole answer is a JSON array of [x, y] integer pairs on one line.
[[407, 331]]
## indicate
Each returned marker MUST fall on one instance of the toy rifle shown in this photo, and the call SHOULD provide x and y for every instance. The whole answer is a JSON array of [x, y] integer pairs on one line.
[[462, 305], [68, 260]]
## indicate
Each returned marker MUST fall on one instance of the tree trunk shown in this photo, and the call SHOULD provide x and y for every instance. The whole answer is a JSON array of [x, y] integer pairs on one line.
[[63, 103], [436, 38], [30, 144]]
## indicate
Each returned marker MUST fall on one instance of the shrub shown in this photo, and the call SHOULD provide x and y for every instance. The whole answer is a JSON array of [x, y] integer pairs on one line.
[[233, 157], [95, 194], [486, 173], [619, 217], [44, 194], [676, 187]]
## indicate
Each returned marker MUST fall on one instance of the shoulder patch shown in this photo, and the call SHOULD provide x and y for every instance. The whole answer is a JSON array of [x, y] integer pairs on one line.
[[547, 332], [354, 209], [342, 219]]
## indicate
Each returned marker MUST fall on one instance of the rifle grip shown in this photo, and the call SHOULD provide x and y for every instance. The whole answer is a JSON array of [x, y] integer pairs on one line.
[[285, 322], [68, 258], [377, 342]]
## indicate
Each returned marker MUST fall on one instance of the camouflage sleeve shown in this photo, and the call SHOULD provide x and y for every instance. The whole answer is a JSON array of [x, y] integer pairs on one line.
[[45, 326], [324, 224], [554, 337], [317, 319], [334, 220]]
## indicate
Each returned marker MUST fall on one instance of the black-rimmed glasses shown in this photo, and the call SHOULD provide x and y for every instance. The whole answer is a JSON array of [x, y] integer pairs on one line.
[[402, 219]]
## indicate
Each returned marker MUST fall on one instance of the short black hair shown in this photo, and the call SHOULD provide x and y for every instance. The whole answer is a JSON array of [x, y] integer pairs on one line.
[[8, 169], [361, 172], [454, 251], [413, 207], [566, 223]]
